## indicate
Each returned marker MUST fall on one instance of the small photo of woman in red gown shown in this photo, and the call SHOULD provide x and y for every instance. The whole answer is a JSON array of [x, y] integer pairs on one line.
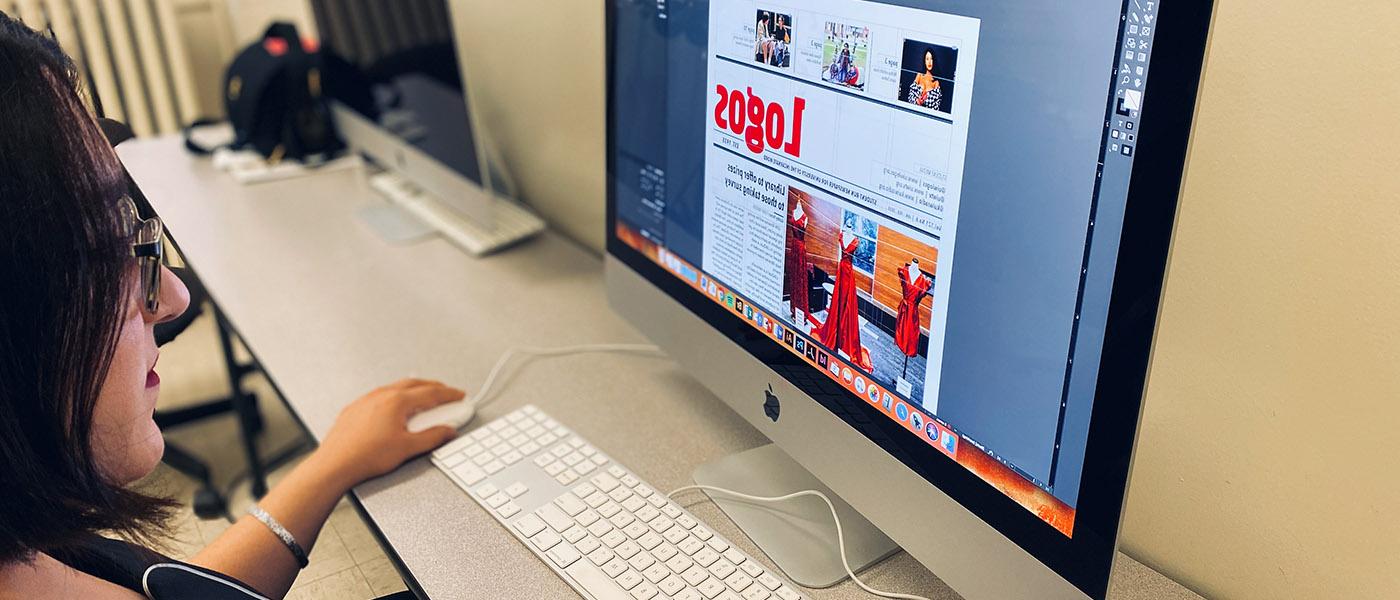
[[860, 289]]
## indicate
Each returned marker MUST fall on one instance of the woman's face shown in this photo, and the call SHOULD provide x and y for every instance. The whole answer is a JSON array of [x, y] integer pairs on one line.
[[125, 439], [928, 61]]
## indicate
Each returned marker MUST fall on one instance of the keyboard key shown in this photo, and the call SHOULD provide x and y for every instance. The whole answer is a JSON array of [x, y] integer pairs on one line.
[[752, 568], [650, 540], [544, 460], [734, 556], [663, 552], [534, 431], [679, 563], [561, 450], [671, 585], [596, 500], [657, 500], [585, 467], [710, 587], [566, 477], [529, 525], [641, 560], [562, 555], [598, 459], [515, 417], [721, 569], [629, 480], [718, 544], [508, 510], [587, 450], [615, 567], [686, 521], [588, 545], [601, 556], [633, 504], [769, 581], [469, 473], [589, 519], [629, 579], [599, 528], [694, 575], [516, 490], [528, 448], [501, 448], [689, 594], [627, 549], [644, 591], [482, 459], [644, 490], [622, 519], [453, 460], [486, 490], [660, 523], [519, 440], [705, 557], [554, 468], [674, 535], [545, 540], [671, 510], [574, 534], [756, 592], [738, 581], [570, 504], [605, 482], [690, 545], [490, 441], [572, 458], [612, 538], [496, 425], [635, 530], [647, 513], [512, 457], [493, 467], [585, 489], [786, 593], [546, 439], [497, 499], [657, 572], [609, 509], [617, 471], [702, 533], [576, 442], [554, 517], [622, 494]]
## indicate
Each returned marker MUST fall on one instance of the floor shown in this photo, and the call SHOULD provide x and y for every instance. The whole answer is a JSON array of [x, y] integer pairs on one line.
[[347, 562]]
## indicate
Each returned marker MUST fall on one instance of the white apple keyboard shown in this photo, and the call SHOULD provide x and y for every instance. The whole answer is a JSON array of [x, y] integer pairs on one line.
[[512, 222], [601, 528]]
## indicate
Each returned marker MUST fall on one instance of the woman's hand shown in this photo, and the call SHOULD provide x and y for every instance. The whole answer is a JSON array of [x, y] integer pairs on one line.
[[371, 437]]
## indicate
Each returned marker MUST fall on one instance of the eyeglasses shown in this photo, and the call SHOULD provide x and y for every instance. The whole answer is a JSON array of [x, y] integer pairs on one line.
[[147, 245]]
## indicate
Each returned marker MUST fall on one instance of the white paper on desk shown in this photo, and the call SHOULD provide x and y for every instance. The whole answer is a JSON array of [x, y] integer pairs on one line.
[[394, 225]]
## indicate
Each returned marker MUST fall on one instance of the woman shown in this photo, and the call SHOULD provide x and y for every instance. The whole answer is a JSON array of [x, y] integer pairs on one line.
[[841, 331], [765, 38], [796, 267], [83, 289], [925, 90]]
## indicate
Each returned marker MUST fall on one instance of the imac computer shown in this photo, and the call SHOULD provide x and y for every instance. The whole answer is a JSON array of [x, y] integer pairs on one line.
[[399, 97], [919, 245]]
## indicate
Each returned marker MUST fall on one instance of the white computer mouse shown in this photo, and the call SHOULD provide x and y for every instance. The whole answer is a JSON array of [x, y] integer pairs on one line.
[[454, 414]]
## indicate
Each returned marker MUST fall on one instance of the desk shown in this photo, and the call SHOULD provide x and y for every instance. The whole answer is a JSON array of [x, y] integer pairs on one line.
[[330, 311]]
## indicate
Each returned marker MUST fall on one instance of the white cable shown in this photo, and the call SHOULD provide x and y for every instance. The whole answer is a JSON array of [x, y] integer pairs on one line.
[[840, 537], [483, 394]]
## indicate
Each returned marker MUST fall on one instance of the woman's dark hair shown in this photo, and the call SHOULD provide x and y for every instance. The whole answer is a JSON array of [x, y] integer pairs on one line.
[[65, 284]]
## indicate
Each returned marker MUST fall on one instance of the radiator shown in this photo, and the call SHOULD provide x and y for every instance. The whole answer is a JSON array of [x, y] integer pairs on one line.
[[129, 53]]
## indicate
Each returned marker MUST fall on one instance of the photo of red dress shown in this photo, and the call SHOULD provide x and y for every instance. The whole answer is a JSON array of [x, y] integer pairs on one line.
[[841, 331], [906, 329], [796, 267]]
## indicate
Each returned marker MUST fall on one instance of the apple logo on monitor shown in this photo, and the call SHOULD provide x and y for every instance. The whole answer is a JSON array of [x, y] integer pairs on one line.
[[770, 404]]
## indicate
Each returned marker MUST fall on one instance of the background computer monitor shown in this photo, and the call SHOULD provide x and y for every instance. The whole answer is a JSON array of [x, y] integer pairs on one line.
[[399, 97], [989, 428]]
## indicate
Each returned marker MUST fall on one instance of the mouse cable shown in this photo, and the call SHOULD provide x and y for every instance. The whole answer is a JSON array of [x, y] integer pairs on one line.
[[483, 394], [840, 537]]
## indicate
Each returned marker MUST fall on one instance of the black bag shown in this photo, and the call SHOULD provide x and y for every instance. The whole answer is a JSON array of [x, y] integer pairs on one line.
[[273, 96]]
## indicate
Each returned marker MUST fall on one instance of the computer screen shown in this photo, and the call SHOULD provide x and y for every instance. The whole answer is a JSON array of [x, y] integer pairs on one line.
[[921, 201], [396, 65]]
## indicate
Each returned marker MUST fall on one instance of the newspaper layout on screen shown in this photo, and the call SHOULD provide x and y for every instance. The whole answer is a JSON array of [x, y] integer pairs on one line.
[[836, 136]]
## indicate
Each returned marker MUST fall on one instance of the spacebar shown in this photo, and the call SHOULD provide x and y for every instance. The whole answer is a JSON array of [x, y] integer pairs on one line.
[[595, 582]]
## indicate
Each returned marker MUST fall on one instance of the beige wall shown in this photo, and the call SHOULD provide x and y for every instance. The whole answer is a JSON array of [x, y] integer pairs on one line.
[[1272, 430], [1267, 465]]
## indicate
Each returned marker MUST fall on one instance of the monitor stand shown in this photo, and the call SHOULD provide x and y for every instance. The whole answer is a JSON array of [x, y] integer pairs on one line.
[[798, 534]]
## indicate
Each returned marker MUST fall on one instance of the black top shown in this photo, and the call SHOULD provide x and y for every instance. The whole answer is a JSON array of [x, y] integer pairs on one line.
[[151, 574]]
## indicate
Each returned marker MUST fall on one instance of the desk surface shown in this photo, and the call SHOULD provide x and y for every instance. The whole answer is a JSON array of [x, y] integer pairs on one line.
[[332, 311]]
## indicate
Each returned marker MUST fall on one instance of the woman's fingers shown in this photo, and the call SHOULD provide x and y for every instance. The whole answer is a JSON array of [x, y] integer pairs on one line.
[[424, 397]]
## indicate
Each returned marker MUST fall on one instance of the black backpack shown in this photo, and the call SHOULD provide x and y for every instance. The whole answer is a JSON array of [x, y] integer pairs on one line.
[[273, 97]]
